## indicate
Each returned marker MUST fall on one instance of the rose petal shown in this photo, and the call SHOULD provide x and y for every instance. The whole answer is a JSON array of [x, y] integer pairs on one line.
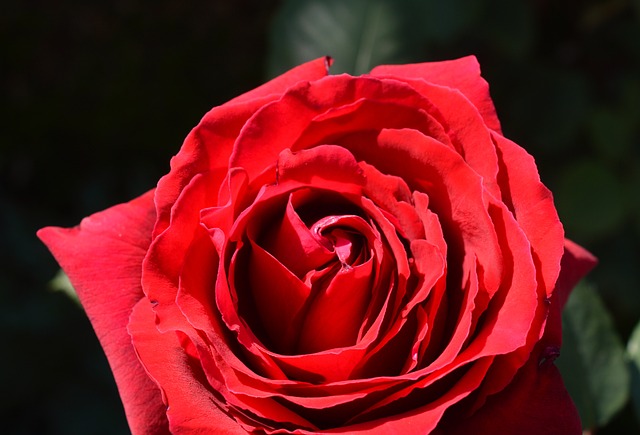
[[515, 317], [532, 205], [430, 222], [312, 70], [166, 254], [444, 343], [393, 195], [293, 244], [576, 263], [335, 314], [394, 263], [108, 286], [513, 311], [468, 133], [278, 125], [455, 191], [422, 418], [535, 402], [367, 115], [422, 328], [430, 266], [190, 405], [279, 296], [252, 411], [321, 364], [462, 74], [327, 167], [221, 127]]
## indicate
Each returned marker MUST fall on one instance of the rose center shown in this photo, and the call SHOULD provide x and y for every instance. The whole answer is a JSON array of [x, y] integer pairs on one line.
[[347, 244], [309, 279]]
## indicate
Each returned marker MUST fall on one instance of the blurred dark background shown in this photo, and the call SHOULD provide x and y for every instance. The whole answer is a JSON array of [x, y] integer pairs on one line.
[[96, 98]]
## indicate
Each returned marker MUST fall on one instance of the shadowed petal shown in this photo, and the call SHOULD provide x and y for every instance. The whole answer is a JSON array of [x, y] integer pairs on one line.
[[535, 402]]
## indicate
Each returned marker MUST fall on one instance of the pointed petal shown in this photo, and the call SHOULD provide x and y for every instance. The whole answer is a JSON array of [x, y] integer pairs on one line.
[[220, 127], [312, 70], [103, 259]]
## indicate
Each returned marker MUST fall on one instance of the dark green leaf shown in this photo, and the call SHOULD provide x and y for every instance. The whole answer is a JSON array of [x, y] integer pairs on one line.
[[347, 31], [633, 351], [593, 362], [357, 34]]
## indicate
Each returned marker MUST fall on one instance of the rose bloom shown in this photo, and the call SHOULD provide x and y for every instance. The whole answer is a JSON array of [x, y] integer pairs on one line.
[[336, 254]]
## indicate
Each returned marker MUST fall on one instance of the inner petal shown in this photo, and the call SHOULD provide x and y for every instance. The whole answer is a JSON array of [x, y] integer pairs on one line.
[[310, 267], [335, 313], [345, 236], [279, 298], [294, 244]]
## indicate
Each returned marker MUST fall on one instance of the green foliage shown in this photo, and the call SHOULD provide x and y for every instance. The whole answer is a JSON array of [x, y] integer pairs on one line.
[[61, 283], [593, 361], [357, 34], [633, 351]]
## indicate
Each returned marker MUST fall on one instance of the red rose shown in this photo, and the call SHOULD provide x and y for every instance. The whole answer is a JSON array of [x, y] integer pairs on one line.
[[337, 254]]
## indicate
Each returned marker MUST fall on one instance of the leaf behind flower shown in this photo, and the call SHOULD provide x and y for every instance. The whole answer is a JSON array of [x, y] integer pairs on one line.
[[633, 352], [357, 34], [593, 363], [60, 283]]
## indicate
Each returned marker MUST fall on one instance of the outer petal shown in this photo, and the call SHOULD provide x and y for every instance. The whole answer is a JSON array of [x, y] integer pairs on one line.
[[209, 144], [550, 409], [532, 205], [462, 74], [536, 402], [191, 407], [103, 259], [576, 263], [312, 70], [284, 123]]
